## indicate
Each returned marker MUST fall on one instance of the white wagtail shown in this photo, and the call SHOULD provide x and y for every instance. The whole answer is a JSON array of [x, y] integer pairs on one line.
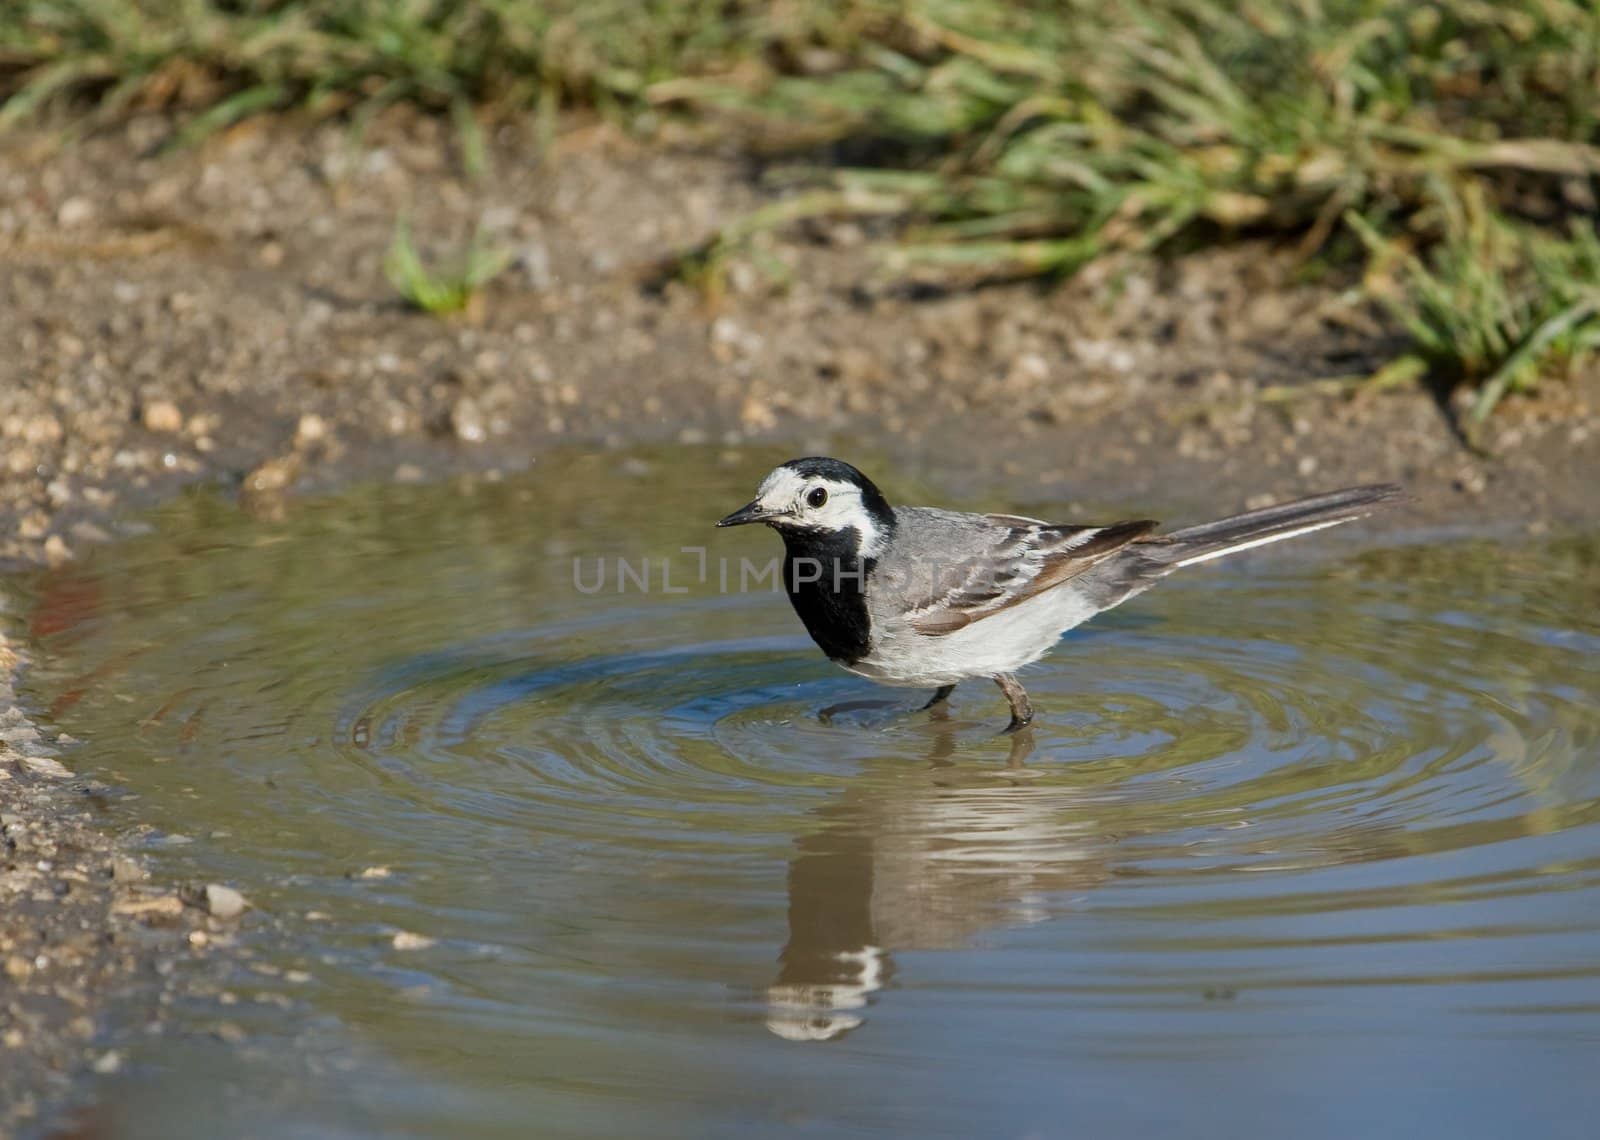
[[915, 596]]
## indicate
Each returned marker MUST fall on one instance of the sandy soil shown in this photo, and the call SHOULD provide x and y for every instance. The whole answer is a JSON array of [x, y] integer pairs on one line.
[[221, 313]]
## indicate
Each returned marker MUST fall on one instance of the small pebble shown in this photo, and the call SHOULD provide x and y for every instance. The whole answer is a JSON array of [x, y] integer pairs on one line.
[[162, 906], [162, 416], [405, 940], [44, 766], [224, 902], [466, 421], [311, 429], [126, 870], [74, 211]]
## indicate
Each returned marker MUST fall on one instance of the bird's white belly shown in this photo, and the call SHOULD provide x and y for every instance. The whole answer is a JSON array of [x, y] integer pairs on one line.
[[1001, 643]]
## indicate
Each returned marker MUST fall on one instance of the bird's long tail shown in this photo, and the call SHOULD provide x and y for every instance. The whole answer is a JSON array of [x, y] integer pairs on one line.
[[1144, 562], [1202, 543]]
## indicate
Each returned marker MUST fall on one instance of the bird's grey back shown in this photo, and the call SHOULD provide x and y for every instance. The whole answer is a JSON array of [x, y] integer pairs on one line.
[[933, 550]]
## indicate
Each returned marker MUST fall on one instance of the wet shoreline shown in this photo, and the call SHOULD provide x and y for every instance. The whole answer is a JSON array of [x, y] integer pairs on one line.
[[84, 926]]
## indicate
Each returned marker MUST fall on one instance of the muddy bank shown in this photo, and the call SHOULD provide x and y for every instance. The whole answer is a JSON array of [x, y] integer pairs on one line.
[[221, 314], [82, 925], [199, 314]]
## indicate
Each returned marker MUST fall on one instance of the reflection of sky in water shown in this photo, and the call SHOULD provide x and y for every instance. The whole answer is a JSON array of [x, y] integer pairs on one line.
[[1313, 852]]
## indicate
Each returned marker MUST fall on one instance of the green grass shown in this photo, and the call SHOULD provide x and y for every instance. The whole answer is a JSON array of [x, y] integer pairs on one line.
[[328, 56], [1035, 137], [1000, 136], [445, 291], [1496, 303]]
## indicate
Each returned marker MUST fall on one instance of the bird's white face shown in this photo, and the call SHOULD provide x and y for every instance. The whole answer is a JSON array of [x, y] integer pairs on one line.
[[802, 502]]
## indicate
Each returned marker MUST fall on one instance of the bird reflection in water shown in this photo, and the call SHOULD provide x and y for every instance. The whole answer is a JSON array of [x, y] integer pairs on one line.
[[926, 862]]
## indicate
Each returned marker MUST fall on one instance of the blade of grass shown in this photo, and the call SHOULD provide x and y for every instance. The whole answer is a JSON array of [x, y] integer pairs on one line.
[[268, 96], [475, 160], [1527, 353]]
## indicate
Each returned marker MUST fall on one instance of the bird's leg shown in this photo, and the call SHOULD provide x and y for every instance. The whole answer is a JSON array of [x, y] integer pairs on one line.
[[940, 696], [1021, 710]]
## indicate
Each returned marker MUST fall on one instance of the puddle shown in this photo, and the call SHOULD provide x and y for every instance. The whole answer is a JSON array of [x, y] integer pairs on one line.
[[1320, 820]]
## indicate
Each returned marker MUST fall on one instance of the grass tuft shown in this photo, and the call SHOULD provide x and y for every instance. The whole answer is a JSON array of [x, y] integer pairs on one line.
[[1495, 305], [454, 289]]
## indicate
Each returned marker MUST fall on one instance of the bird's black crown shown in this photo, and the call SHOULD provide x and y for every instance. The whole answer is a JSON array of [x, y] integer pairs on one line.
[[822, 467]]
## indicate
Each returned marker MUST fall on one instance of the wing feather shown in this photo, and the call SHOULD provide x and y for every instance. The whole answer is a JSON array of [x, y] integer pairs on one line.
[[1027, 558]]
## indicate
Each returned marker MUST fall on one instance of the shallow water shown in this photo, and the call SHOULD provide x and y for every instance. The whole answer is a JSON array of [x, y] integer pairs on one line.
[[1308, 843]]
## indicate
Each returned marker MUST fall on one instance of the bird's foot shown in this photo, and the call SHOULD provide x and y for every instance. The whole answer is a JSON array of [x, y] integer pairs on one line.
[[1018, 723], [1017, 698]]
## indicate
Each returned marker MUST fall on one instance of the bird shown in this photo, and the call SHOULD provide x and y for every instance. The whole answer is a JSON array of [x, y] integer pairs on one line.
[[927, 598]]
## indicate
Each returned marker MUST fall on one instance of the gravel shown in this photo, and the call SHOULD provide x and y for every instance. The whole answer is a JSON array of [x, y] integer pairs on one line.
[[79, 922]]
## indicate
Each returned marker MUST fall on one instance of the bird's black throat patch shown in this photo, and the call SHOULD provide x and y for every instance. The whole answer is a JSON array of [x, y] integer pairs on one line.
[[826, 579]]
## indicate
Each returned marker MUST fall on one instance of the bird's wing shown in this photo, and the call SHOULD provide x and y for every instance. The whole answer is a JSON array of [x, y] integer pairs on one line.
[[1024, 558]]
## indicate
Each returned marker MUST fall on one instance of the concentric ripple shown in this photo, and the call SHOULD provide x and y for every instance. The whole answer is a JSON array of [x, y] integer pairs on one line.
[[655, 838], [682, 739]]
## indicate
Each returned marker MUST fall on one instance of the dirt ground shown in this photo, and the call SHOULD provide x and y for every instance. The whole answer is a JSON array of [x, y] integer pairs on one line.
[[173, 316], [220, 313]]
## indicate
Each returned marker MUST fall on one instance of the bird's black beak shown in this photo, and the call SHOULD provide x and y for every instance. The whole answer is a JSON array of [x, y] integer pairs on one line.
[[752, 512]]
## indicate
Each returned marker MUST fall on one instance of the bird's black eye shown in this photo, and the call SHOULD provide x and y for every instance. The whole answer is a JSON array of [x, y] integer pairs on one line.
[[817, 496]]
